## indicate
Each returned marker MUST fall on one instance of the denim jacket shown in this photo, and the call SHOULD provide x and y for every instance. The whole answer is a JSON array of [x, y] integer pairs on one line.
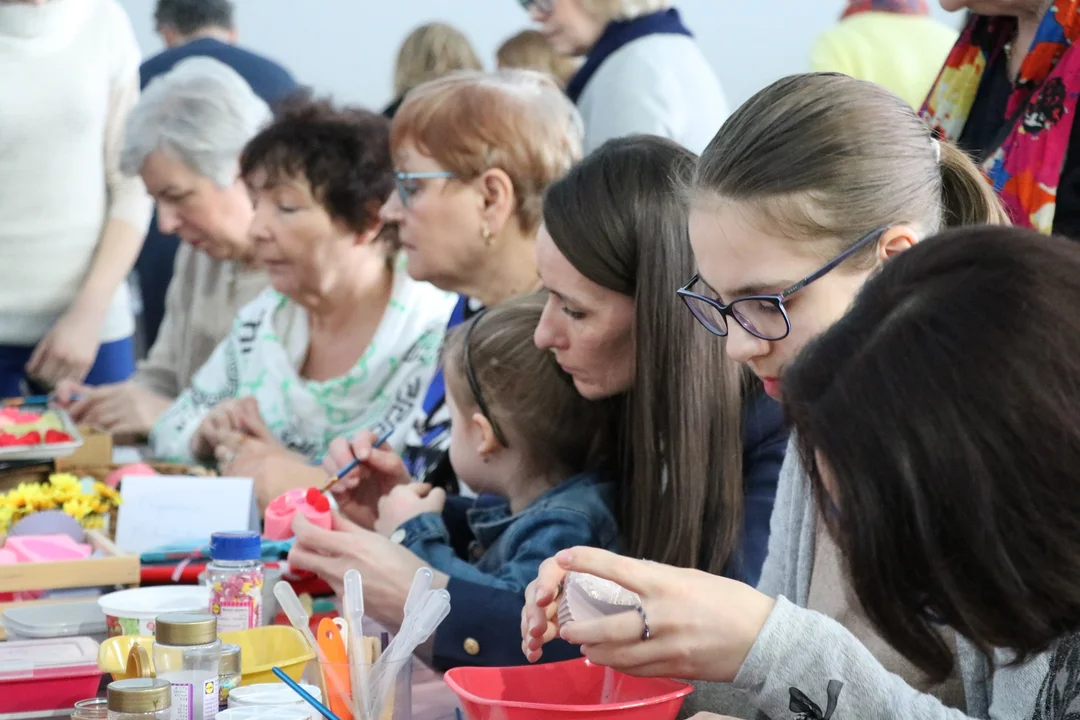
[[504, 551], [484, 625]]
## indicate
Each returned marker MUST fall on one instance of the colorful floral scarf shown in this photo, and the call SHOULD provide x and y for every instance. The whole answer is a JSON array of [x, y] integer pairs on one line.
[[1026, 168], [899, 7]]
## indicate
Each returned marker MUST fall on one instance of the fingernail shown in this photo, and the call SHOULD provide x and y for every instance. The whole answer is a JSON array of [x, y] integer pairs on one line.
[[363, 455], [542, 595], [565, 557]]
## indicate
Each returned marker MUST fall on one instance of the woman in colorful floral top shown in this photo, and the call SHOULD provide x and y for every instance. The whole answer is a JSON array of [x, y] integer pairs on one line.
[[343, 339]]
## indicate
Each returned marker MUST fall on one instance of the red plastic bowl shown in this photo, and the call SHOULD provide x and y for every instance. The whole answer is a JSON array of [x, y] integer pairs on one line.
[[571, 690]]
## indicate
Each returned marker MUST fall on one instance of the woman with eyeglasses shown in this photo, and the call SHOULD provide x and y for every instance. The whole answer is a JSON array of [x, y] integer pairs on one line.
[[643, 72], [810, 186], [474, 154], [343, 339]]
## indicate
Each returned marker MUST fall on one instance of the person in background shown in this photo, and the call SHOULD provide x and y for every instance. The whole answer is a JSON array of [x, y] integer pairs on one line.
[[71, 224], [1008, 96], [343, 339], [184, 139], [429, 52], [529, 49], [523, 436], [643, 71], [894, 43], [190, 28], [474, 153]]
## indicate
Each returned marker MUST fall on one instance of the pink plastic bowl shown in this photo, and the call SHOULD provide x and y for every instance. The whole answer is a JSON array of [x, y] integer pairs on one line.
[[571, 690]]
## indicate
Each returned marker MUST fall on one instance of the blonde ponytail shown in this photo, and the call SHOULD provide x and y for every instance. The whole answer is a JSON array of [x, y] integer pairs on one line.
[[967, 198]]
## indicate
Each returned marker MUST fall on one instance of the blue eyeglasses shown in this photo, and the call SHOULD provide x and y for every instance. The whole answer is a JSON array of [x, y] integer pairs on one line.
[[762, 316], [407, 186]]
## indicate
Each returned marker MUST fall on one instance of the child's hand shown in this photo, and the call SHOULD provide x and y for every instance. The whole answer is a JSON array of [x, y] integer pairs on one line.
[[405, 502]]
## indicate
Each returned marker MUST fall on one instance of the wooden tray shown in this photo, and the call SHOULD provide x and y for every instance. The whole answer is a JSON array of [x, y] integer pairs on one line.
[[115, 568]]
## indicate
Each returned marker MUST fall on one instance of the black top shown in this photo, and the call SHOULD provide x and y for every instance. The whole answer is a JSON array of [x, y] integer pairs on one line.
[[986, 130]]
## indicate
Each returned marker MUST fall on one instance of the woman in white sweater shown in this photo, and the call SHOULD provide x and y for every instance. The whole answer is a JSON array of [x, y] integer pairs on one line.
[[643, 71], [71, 224]]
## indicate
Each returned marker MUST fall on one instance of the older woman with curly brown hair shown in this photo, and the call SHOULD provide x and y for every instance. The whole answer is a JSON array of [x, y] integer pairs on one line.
[[343, 339]]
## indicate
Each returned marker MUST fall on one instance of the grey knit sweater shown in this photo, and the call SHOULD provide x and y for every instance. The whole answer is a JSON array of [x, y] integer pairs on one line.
[[805, 665]]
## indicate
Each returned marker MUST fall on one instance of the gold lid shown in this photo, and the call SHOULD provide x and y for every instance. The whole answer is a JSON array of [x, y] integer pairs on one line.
[[141, 695], [230, 660], [185, 629], [138, 662]]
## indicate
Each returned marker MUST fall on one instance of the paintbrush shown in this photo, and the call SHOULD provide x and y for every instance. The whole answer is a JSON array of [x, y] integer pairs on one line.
[[355, 462]]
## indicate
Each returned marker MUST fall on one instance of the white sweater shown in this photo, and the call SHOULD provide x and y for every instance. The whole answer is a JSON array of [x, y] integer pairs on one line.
[[69, 75], [658, 85]]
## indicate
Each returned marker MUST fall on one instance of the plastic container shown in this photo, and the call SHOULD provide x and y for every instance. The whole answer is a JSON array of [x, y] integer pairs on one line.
[[235, 575], [40, 622], [228, 673], [133, 612], [575, 689], [261, 649], [44, 675], [271, 695], [187, 653], [140, 699], [269, 712]]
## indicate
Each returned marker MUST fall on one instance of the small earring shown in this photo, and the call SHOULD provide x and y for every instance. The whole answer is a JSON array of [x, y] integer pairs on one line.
[[485, 232], [485, 458]]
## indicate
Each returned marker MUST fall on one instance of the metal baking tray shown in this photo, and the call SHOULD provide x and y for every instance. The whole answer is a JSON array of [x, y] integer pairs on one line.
[[43, 452]]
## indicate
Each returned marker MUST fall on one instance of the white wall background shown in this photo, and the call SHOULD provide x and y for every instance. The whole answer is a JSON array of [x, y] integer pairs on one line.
[[347, 47]]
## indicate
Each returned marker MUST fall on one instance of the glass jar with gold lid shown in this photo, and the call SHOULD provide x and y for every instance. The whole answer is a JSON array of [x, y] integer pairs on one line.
[[187, 653], [140, 699]]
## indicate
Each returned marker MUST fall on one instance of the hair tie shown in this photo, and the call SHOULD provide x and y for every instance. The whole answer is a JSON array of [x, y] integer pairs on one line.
[[937, 150]]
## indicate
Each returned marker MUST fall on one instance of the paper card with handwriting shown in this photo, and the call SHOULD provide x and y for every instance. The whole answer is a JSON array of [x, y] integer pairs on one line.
[[165, 509]]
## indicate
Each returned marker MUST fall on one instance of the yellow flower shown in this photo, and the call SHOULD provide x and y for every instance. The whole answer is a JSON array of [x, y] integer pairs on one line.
[[107, 493], [65, 482]]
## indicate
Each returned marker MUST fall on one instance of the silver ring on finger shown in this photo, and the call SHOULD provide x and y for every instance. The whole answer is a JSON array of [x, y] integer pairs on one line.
[[645, 632]]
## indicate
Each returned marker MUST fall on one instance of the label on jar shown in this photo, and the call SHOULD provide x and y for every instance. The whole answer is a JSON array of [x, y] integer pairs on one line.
[[235, 615], [194, 702], [237, 601]]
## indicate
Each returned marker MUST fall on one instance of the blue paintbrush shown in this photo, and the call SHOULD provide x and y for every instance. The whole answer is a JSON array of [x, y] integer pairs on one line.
[[355, 463]]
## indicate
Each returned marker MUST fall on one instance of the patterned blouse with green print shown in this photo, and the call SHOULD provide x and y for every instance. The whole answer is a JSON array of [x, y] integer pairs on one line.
[[262, 355]]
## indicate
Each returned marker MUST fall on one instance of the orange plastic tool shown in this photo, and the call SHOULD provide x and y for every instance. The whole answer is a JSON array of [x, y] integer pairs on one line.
[[336, 671]]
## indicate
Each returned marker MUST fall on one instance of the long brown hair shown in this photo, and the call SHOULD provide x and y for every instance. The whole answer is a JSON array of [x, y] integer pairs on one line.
[[826, 157], [619, 219]]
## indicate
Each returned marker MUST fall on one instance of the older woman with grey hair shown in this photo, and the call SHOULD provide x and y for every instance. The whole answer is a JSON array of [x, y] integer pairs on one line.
[[643, 71], [184, 139]]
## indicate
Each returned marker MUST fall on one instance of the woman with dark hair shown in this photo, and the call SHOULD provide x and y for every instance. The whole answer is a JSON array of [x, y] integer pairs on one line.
[[611, 247], [971, 444], [1008, 95], [697, 447], [343, 339]]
